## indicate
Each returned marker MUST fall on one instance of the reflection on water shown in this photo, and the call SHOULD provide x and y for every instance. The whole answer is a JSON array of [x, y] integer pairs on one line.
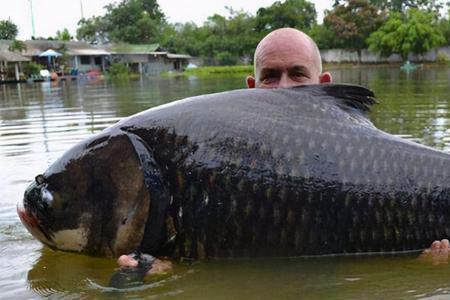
[[38, 122]]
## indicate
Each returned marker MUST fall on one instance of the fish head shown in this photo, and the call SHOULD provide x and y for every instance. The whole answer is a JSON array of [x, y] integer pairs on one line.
[[92, 200]]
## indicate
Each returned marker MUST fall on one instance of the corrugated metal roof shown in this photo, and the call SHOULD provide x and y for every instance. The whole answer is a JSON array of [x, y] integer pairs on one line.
[[36, 47], [87, 52], [73, 48], [122, 48], [12, 57], [182, 56]]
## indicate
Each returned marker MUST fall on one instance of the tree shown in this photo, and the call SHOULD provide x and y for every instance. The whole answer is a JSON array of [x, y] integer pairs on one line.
[[221, 40], [8, 30], [323, 36], [93, 30], [300, 14], [444, 27], [132, 21], [63, 35], [17, 46], [184, 38], [352, 23], [416, 32], [403, 5]]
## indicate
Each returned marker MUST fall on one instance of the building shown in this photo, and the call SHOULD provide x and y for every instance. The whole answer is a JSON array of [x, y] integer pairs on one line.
[[149, 59], [80, 57], [77, 55]]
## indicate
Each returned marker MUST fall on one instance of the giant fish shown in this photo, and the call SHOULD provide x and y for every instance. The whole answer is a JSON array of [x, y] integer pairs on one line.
[[244, 173]]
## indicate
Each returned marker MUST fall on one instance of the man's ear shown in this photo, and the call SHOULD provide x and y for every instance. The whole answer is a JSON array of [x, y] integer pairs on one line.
[[250, 82], [325, 77]]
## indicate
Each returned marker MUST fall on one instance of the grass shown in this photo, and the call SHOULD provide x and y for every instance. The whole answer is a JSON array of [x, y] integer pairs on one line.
[[214, 70]]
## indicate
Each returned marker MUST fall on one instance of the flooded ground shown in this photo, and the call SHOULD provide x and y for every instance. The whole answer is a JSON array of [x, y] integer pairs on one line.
[[38, 122]]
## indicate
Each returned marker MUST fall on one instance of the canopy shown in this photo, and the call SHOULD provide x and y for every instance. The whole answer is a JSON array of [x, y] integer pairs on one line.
[[50, 53]]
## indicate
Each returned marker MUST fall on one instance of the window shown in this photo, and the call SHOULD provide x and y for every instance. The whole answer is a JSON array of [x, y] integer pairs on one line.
[[98, 60], [85, 60]]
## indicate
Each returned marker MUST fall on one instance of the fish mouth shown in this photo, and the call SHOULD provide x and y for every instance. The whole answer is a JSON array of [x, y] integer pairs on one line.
[[31, 222]]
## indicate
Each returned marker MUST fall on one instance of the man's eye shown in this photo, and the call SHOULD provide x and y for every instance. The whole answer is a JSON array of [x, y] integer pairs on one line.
[[269, 78], [299, 75]]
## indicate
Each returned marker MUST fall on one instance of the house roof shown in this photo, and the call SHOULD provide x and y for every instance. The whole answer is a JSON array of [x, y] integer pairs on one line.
[[36, 47], [10, 56], [123, 48], [182, 56], [75, 48]]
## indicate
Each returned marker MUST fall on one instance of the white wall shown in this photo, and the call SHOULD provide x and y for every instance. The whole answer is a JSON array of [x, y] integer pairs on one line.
[[346, 56]]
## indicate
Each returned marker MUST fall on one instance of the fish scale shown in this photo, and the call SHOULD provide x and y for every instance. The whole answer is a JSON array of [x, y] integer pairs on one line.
[[282, 172]]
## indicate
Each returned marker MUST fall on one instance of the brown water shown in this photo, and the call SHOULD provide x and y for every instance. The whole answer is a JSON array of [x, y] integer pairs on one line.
[[38, 122]]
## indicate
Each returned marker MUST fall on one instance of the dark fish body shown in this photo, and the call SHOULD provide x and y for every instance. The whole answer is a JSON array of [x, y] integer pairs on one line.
[[282, 172]]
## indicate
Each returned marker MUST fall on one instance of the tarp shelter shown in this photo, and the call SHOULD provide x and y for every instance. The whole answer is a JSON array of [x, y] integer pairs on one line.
[[50, 53]]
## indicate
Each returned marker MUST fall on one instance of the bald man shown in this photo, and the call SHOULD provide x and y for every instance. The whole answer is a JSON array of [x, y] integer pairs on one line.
[[285, 58]]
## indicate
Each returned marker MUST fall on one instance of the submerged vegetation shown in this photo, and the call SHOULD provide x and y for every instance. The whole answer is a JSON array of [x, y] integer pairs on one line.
[[118, 71]]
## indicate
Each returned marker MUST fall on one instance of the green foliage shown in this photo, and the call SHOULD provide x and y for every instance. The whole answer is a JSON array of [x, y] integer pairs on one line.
[[349, 25], [415, 32], [118, 70], [32, 68], [232, 38], [323, 36], [444, 27], [226, 58], [403, 5], [17, 46], [8, 30], [300, 14], [184, 38], [221, 40], [442, 58], [93, 30], [220, 70], [131, 21], [63, 35]]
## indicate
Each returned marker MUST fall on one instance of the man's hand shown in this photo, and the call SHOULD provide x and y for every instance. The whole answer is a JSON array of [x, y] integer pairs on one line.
[[159, 266], [437, 253]]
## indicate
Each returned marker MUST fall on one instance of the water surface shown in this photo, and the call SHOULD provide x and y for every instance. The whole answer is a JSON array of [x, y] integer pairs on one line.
[[38, 122]]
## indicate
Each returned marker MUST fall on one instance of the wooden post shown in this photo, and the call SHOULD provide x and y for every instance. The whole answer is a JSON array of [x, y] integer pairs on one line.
[[16, 69], [2, 77]]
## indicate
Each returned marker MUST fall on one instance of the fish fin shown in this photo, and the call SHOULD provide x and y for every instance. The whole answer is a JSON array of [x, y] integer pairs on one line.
[[353, 97], [155, 230]]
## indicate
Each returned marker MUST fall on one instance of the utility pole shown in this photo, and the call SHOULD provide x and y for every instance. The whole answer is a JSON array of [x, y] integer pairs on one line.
[[32, 19], [81, 7]]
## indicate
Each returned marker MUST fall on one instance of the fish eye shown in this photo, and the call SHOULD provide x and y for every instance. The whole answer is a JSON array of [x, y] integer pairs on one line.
[[39, 179]]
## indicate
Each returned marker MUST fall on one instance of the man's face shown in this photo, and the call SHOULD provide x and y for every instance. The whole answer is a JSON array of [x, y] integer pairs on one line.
[[286, 65]]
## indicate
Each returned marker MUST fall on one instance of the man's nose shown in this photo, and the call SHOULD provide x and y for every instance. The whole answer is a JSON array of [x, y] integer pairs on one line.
[[286, 81]]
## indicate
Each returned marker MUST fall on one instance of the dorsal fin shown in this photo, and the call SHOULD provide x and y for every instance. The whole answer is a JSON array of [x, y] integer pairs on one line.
[[351, 96]]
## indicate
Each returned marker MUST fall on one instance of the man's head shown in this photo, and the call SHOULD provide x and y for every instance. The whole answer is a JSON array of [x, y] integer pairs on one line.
[[285, 58]]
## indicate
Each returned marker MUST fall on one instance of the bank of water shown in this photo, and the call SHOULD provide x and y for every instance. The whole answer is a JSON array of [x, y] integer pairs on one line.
[[38, 122]]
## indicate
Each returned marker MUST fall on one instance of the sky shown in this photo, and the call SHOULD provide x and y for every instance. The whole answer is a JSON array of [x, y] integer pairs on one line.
[[53, 15]]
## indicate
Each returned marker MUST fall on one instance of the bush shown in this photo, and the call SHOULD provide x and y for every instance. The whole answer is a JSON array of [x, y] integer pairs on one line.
[[220, 70], [32, 68], [442, 58], [118, 70], [226, 58]]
